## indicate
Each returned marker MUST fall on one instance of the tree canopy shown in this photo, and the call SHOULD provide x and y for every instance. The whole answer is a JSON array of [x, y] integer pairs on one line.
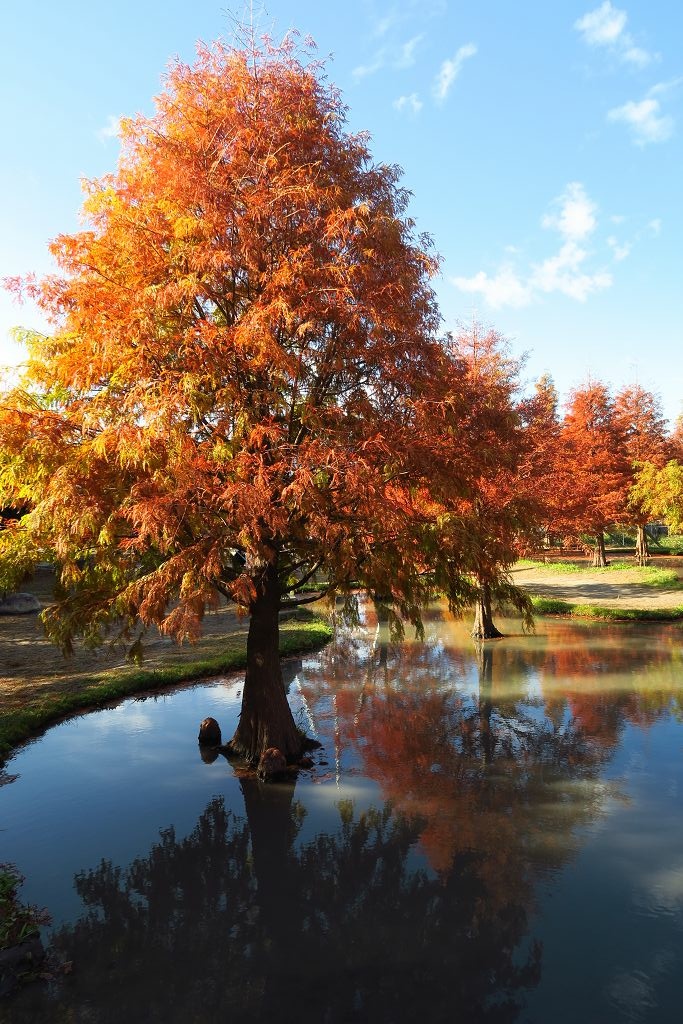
[[244, 390]]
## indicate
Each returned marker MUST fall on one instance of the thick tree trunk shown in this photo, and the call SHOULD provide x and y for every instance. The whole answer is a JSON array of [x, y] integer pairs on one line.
[[273, 828], [484, 628], [599, 554], [266, 718], [642, 552]]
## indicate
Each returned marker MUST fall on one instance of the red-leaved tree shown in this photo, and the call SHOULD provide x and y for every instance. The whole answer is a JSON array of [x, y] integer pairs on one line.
[[243, 391], [592, 471]]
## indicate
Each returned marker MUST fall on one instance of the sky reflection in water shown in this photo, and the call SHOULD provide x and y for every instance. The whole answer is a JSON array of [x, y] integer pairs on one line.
[[496, 836]]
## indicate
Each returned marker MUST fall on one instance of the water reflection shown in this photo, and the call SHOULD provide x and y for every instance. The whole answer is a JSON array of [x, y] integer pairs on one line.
[[482, 777], [238, 919]]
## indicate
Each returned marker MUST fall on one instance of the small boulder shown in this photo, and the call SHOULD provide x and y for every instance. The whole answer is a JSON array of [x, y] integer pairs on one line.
[[19, 604], [273, 764], [209, 754], [210, 733]]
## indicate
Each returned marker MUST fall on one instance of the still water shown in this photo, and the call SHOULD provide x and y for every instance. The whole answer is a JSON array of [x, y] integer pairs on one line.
[[490, 835]]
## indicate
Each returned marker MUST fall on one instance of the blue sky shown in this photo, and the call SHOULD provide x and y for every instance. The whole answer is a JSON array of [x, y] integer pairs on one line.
[[541, 142]]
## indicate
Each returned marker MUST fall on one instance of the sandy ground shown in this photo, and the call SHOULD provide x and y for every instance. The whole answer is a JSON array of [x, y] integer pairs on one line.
[[28, 662], [618, 589]]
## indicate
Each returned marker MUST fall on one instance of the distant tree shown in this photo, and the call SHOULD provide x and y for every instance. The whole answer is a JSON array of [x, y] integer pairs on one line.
[[639, 415], [541, 420], [244, 391], [498, 508], [659, 491], [592, 472], [676, 439]]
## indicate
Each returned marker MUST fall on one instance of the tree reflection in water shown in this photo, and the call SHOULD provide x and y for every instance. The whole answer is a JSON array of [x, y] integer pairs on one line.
[[238, 919], [244, 919]]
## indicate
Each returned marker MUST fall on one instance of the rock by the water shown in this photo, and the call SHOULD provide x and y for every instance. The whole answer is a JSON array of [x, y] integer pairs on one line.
[[210, 733], [208, 754], [272, 765], [19, 604]]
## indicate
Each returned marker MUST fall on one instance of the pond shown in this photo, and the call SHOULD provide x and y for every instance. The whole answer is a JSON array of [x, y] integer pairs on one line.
[[487, 835]]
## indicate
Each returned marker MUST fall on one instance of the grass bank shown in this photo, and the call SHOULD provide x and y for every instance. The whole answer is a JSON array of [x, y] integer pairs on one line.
[[554, 606], [61, 698]]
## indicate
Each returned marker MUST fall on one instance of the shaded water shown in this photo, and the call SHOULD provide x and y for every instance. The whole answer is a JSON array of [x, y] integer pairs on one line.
[[486, 836]]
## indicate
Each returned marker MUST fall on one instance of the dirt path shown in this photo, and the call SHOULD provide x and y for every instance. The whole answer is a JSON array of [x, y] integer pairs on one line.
[[616, 589]]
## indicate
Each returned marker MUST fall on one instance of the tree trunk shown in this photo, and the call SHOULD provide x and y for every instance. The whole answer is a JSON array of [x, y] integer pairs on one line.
[[642, 553], [488, 739], [266, 718], [273, 828], [383, 633], [484, 628], [599, 555]]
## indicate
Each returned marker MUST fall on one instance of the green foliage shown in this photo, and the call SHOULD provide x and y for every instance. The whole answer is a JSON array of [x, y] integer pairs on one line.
[[18, 921], [671, 545], [659, 492]]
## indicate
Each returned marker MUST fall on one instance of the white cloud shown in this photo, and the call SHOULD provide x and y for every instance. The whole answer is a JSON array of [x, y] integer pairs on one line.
[[620, 250], [606, 27], [505, 288], [637, 56], [406, 56], [566, 272], [563, 273], [398, 56], [376, 64], [576, 216], [662, 88], [602, 26], [382, 25], [110, 130], [411, 104], [449, 71], [645, 120], [655, 226]]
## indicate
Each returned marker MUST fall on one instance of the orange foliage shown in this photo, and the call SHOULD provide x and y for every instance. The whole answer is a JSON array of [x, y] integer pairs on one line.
[[592, 471], [244, 367]]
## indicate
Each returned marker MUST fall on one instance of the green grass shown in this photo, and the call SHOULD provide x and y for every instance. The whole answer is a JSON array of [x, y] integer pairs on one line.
[[652, 576], [306, 632], [672, 545], [553, 606], [18, 921]]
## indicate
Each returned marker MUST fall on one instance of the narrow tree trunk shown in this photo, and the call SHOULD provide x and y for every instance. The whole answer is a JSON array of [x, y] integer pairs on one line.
[[484, 628], [266, 718], [599, 554], [642, 552], [488, 739], [383, 633]]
